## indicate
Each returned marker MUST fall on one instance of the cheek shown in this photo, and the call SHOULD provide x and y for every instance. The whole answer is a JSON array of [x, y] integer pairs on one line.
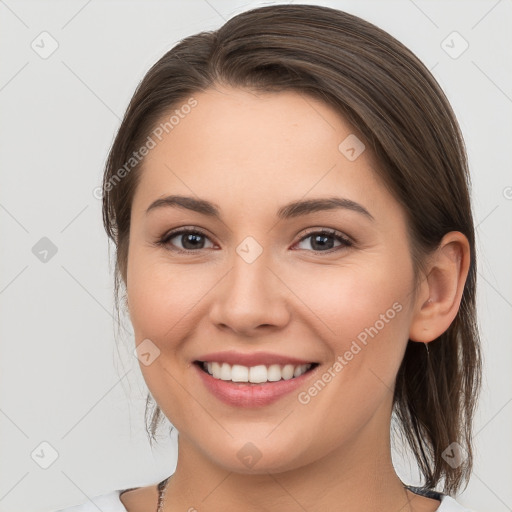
[[161, 301], [361, 312], [161, 295], [167, 302], [346, 299]]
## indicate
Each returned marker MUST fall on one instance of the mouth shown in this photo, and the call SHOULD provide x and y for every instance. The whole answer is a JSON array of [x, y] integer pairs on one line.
[[259, 374], [253, 386]]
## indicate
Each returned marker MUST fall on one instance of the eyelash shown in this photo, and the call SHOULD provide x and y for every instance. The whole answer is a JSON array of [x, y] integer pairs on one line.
[[163, 242]]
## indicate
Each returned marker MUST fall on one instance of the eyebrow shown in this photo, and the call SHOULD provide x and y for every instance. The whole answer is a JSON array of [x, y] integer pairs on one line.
[[290, 210]]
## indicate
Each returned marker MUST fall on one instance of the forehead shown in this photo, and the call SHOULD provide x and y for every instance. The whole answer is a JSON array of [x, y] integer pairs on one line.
[[254, 147], [238, 125]]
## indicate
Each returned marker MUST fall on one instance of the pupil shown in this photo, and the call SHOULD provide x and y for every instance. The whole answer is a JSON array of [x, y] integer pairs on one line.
[[187, 238], [322, 243]]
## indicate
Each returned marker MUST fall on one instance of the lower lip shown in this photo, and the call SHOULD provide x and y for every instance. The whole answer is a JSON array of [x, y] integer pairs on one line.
[[242, 394]]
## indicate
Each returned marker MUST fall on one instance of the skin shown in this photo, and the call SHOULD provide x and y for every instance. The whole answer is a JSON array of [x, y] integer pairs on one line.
[[249, 154]]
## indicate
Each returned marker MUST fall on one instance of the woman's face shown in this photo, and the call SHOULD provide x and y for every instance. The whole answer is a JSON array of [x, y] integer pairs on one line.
[[260, 286]]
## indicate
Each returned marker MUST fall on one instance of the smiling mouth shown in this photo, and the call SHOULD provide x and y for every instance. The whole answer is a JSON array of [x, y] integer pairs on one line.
[[259, 374]]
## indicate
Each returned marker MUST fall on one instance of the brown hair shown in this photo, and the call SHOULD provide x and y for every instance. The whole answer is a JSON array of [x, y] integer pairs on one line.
[[384, 90]]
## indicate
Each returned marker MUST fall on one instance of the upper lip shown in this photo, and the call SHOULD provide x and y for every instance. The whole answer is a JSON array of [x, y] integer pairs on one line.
[[254, 359]]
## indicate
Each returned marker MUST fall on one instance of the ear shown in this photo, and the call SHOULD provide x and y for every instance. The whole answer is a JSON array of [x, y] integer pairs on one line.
[[439, 296]]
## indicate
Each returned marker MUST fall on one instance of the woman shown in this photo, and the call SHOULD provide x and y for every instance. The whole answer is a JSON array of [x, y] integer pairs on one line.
[[289, 200]]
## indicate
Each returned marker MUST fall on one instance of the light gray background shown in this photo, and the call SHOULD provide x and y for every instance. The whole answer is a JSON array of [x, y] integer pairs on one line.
[[63, 381]]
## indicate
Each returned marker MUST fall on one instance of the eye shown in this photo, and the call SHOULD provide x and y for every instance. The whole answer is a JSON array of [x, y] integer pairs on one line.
[[323, 240], [193, 240], [190, 239]]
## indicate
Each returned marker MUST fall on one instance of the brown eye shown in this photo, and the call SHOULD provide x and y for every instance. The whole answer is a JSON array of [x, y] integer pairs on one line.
[[324, 240], [190, 239]]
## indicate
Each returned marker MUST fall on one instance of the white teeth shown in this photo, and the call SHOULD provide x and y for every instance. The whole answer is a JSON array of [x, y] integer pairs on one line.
[[274, 373], [225, 372], [298, 371], [239, 373], [255, 374], [287, 372], [214, 370]]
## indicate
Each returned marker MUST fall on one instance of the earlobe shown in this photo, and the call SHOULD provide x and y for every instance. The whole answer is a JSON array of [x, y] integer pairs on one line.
[[444, 285]]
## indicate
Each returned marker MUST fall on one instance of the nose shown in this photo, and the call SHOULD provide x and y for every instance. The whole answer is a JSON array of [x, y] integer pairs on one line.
[[251, 298]]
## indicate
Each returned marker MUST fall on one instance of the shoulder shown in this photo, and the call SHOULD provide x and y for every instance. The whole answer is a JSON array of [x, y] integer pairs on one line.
[[135, 499], [448, 504], [109, 501]]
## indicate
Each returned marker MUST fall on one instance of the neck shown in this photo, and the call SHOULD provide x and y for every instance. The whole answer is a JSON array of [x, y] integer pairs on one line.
[[358, 475]]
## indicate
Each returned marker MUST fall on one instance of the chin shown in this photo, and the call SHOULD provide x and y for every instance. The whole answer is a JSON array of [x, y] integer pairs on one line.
[[259, 457]]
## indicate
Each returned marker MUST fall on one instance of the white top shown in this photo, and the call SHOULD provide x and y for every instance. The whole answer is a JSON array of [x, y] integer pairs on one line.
[[110, 502]]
